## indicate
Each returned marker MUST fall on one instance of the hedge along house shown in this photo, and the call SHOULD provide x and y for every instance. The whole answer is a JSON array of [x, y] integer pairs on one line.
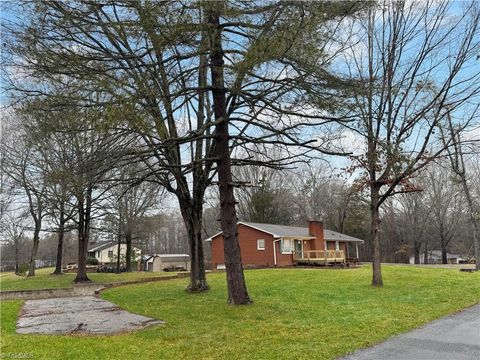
[[266, 245]]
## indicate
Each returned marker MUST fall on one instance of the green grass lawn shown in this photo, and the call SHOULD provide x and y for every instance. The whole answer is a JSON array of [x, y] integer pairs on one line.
[[44, 279], [297, 314]]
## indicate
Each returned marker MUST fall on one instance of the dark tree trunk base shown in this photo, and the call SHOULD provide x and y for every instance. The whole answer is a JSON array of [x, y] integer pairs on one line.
[[377, 279], [192, 217], [200, 286], [243, 302], [57, 273], [444, 256], [417, 257], [82, 280], [128, 254]]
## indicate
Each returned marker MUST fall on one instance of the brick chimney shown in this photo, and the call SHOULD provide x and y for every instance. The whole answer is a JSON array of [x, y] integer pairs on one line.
[[315, 228]]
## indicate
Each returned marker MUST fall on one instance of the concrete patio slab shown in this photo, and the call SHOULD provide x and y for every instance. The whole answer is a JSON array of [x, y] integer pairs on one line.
[[78, 315]]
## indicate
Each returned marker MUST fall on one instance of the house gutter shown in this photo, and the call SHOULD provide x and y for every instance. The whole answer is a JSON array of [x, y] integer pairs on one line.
[[275, 251]]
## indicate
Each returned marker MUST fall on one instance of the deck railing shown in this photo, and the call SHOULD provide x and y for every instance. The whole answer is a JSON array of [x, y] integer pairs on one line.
[[316, 255]]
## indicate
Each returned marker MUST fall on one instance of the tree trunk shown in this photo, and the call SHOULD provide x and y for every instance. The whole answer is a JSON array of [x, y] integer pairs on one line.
[[119, 239], [237, 290], [375, 226], [58, 264], [84, 213], [119, 245], [17, 255], [372, 157], [61, 232], [417, 257], [425, 254], [444, 254], [193, 223], [416, 249], [82, 259], [128, 253], [476, 242], [473, 220], [33, 254]]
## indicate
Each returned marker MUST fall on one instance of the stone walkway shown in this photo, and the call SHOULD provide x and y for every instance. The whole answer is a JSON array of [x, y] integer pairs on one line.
[[78, 315], [454, 337]]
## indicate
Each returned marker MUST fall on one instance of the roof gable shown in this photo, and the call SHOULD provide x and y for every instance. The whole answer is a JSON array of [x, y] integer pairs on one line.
[[99, 247], [105, 245]]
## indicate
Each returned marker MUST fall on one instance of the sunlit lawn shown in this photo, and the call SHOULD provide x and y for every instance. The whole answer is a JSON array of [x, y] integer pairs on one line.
[[297, 314], [44, 279]]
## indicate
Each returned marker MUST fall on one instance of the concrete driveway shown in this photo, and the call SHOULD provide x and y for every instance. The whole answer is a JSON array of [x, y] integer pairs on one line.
[[455, 337]]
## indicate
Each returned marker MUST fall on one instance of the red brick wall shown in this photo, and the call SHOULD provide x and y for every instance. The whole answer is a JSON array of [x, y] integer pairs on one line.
[[315, 228], [217, 251], [247, 237], [283, 259]]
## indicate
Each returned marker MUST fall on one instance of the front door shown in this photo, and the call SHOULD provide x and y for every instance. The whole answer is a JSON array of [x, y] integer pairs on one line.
[[298, 244]]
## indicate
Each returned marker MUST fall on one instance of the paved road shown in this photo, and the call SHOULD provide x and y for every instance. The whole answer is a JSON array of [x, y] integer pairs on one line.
[[455, 337]]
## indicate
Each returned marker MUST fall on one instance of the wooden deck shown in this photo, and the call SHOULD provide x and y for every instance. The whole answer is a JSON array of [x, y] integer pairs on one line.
[[319, 257]]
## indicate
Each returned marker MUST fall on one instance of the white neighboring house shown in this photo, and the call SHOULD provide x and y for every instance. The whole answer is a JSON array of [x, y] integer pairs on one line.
[[107, 252], [435, 257], [160, 262]]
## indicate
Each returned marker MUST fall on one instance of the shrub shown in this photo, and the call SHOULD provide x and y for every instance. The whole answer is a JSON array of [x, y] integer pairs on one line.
[[92, 261], [22, 269]]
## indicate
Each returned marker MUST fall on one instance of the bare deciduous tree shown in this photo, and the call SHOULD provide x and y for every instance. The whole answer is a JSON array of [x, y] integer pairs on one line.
[[457, 154], [14, 230], [25, 167], [413, 60]]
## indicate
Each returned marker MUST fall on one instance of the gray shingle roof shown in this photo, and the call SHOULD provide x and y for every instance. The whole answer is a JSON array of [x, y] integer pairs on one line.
[[293, 231], [333, 235], [169, 257], [104, 245], [279, 230]]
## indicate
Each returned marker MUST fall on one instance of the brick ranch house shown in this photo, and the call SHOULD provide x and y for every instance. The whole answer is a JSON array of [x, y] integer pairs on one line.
[[266, 245]]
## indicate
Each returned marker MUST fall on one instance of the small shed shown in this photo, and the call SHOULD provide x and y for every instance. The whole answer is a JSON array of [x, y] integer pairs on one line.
[[166, 262]]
